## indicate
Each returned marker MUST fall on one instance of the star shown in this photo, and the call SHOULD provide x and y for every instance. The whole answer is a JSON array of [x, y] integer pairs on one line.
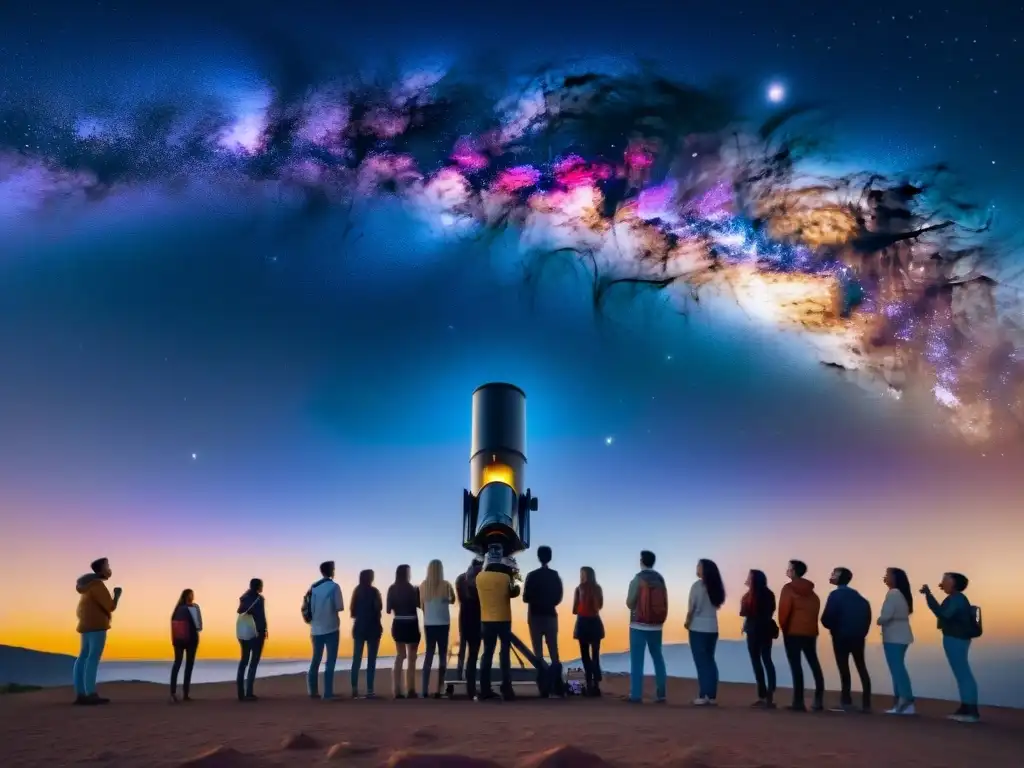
[[776, 93], [609, 440], [193, 457]]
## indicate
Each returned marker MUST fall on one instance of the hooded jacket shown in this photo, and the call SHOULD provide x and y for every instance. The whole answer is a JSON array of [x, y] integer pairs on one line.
[[258, 611], [95, 604], [798, 609]]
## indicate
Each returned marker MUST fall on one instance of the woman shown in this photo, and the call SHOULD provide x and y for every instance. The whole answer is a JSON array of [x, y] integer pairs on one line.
[[587, 602], [403, 600], [897, 636], [758, 610], [706, 596], [960, 623], [436, 597], [186, 624], [366, 607], [251, 630]]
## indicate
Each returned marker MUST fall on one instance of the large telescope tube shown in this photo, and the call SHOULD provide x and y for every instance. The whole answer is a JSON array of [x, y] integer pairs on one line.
[[497, 506]]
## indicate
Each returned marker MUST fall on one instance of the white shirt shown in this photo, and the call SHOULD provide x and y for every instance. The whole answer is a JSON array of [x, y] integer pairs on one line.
[[703, 615], [326, 603], [436, 610], [197, 616], [894, 619]]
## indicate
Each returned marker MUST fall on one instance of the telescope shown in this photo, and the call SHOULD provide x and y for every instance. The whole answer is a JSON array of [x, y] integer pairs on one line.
[[496, 508], [497, 505]]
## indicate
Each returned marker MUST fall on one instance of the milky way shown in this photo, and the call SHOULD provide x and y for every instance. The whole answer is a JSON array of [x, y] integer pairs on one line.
[[641, 181]]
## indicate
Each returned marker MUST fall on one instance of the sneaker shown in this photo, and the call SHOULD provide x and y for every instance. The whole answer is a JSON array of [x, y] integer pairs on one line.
[[797, 707], [83, 701], [95, 698], [701, 701], [370, 695], [661, 700], [904, 709], [965, 718], [760, 704]]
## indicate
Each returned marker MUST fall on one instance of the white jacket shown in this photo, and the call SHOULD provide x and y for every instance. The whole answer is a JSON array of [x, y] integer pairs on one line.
[[895, 619]]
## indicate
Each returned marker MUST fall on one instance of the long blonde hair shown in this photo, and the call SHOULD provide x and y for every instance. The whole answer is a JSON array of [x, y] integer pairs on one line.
[[435, 586]]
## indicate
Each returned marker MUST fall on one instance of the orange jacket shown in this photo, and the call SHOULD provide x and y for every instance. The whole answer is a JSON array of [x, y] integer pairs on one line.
[[95, 605], [798, 609]]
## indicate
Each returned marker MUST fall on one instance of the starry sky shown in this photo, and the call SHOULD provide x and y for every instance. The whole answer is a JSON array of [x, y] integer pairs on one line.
[[207, 393]]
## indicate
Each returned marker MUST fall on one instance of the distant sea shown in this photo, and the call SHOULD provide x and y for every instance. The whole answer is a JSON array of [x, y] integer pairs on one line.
[[999, 669]]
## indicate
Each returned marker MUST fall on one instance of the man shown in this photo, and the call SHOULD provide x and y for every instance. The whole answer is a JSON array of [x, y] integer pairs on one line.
[[469, 623], [542, 593], [321, 606], [251, 602], [495, 588], [95, 608], [647, 600], [798, 620], [847, 616]]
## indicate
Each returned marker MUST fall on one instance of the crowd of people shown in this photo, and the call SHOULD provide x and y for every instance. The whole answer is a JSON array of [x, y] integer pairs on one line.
[[484, 595]]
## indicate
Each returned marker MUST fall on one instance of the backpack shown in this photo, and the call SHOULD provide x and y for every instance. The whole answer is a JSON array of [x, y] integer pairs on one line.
[[651, 603], [307, 602], [974, 628]]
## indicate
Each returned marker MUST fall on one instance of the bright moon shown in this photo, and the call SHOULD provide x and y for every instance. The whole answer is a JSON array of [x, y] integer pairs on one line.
[[776, 93]]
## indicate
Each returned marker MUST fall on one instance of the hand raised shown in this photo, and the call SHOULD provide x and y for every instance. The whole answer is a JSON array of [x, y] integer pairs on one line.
[[117, 591]]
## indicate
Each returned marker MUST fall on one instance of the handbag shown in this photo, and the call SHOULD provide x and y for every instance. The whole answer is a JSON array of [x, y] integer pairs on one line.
[[245, 626]]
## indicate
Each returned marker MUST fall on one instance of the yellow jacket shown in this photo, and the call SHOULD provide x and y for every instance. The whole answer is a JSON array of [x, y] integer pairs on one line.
[[95, 605], [496, 591]]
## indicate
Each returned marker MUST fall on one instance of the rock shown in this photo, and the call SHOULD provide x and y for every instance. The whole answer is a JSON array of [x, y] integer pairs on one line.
[[299, 741], [406, 759], [565, 756], [220, 757], [345, 749], [424, 734]]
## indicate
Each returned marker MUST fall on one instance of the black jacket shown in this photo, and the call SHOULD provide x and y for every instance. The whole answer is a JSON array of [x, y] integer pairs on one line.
[[365, 607], [542, 592], [258, 611], [469, 601]]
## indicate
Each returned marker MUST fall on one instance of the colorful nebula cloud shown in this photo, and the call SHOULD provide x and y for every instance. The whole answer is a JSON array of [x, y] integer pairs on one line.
[[644, 181]]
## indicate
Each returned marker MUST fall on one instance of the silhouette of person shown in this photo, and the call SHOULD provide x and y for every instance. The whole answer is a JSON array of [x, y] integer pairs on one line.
[[186, 624], [95, 609]]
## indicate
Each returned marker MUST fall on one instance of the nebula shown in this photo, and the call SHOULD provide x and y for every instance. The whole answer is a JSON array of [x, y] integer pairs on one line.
[[643, 181]]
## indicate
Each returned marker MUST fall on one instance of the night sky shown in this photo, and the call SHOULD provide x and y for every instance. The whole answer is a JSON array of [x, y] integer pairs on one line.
[[208, 391]]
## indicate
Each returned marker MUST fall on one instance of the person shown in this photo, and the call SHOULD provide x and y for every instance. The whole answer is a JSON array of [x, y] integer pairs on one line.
[[897, 636], [324, 602], [587, 602], [366, 607], [542, 593], [186, 624], [95, 609], [757, 608], [436, 598], [647, 600], [847, 617], [959, 623], [251, 604], [496, 588], [706, 596], [469, 624], [798, 619], [403, 601]]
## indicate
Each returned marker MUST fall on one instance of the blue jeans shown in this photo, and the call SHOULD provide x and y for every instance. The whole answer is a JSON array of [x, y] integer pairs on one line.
[[328, 642], [640, 641], [702, 645], [372, 646], [956, 654], [88, 662], [896, 659]]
